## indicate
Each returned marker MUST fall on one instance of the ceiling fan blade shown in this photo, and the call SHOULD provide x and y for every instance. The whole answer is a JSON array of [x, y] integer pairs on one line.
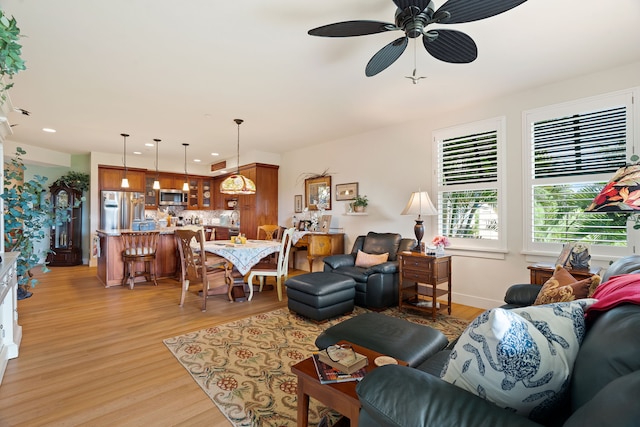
[[420, 4], [474, 10], [386, 56], [352, 28], [450, 46]]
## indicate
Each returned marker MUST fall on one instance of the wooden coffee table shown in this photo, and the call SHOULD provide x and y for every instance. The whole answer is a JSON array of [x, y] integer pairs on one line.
[[341, 397]]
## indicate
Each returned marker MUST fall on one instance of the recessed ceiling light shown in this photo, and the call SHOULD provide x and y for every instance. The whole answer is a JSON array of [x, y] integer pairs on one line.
[[215, 154], [137, 152], [197, 160], [49, 130], [149, 144]]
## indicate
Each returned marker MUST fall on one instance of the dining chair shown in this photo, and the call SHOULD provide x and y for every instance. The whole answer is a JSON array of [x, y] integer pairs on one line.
[[269, 231], [279, 269], [196, 264], [139, 246]]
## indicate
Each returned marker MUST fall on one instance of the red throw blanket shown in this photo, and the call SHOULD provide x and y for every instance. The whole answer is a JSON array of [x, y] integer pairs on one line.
[[621, 289]]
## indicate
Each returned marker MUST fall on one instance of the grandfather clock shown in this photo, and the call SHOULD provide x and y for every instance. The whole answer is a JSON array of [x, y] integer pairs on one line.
[[66, 231]]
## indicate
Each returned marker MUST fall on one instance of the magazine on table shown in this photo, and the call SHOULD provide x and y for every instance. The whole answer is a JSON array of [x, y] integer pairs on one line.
[[329, 375]]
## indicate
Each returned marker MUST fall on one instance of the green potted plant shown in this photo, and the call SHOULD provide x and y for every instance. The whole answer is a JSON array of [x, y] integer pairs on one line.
[[77, 180], [360, 203], [27, 217]]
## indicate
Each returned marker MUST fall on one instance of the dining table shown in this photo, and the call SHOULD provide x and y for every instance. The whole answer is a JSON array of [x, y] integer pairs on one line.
[[243, 256]]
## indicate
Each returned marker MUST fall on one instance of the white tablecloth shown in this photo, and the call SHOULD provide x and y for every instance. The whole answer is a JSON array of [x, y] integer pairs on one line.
[[243, 256]]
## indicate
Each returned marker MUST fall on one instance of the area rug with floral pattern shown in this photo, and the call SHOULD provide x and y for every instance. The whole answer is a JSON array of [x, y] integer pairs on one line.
[[245, 366]]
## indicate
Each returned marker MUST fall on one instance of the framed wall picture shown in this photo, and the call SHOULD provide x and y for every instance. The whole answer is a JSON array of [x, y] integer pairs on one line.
[[318, 193], [297, 203], [346, 191]]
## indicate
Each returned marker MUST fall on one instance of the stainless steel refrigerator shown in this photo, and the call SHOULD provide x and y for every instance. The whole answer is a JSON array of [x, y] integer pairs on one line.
[[118, 209]]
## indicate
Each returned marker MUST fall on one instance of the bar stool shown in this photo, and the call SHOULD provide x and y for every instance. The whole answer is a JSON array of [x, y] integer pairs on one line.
[[139, 246]]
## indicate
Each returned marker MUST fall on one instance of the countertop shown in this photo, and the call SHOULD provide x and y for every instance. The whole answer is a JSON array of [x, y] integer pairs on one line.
[[162, 230]]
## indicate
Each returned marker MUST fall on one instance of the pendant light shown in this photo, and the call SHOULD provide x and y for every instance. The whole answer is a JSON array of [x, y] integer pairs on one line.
[[185, 186], [156, 183], [125, 181], [236, 183]]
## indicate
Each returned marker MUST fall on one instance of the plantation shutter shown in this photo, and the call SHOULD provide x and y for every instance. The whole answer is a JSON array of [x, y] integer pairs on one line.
[[468, 186], [567, 152]]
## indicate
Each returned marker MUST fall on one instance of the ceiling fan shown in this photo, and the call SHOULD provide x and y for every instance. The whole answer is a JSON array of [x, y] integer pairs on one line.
[[413, 17]]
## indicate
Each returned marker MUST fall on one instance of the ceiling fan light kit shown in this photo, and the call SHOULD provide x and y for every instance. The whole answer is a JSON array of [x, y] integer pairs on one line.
[[413, 17]]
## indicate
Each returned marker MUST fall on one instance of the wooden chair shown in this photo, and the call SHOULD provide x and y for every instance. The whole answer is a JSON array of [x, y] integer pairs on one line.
[[279, 269], [270, 232], [139, 246], [198, 265]]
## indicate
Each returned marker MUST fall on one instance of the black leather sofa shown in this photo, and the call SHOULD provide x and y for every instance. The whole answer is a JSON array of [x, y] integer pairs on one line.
[[377, 286], [603, 391]]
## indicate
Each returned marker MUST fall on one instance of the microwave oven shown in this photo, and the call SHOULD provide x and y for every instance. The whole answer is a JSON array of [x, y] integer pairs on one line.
[[172, 198]]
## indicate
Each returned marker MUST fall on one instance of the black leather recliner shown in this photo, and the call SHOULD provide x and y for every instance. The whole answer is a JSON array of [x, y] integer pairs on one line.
[[377, 286]]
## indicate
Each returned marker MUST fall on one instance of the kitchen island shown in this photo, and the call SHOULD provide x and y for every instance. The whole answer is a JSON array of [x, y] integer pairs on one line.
[[110, 263]]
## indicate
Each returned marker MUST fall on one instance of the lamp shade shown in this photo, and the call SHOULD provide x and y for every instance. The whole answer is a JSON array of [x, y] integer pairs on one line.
[[621, 194], [237, 184], [419, 204]]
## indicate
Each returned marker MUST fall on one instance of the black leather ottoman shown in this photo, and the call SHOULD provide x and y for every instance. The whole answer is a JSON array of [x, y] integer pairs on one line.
[[388, 335], [321, 296]]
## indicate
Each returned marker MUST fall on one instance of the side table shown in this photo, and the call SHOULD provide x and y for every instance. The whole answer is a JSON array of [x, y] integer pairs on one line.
[[433, 272], [540, 273], [341, 397]]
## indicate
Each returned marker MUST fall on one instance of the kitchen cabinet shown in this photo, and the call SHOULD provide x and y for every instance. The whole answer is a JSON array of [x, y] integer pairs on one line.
[[110, 178], [262, 207], [110, 269], [150, 195], [171, 181], [200, 193], [65, 239]]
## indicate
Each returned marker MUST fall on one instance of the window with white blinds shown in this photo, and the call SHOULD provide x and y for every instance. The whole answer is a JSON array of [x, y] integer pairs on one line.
[[469, 165], [572, 152]]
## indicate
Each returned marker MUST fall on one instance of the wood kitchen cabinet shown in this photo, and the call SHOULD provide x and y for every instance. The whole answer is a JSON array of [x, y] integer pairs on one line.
[[110, 269], [200, 193], [171, 181], [150, 195], [110, 178], [256, 209]]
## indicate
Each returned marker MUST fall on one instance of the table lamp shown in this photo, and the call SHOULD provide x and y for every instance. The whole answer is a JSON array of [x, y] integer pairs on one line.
[[419, 204]]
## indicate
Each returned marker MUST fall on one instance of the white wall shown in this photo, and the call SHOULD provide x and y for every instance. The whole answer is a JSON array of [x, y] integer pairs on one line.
[[390, 163]]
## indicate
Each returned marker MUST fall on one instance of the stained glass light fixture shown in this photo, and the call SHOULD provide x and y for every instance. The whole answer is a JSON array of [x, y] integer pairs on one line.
[[237, 183]]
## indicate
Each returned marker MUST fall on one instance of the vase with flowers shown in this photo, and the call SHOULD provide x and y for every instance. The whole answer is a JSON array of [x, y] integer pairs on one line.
[[440, 242]]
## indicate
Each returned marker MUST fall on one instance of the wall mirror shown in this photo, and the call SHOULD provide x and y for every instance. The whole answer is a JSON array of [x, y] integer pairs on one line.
[[318, 193]]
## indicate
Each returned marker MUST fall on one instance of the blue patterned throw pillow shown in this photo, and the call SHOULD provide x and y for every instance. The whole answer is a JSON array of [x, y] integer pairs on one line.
[[519, 359]]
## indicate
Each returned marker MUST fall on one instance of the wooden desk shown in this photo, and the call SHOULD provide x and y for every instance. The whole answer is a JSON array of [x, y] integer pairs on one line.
[[320, 245], [540, 273], [339, 396]]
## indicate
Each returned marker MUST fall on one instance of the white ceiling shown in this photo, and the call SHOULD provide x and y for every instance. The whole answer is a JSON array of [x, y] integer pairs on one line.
[[182, 71]]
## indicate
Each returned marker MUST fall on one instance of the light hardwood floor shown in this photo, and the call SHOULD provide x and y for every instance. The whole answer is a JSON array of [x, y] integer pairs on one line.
[[92, 356]]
